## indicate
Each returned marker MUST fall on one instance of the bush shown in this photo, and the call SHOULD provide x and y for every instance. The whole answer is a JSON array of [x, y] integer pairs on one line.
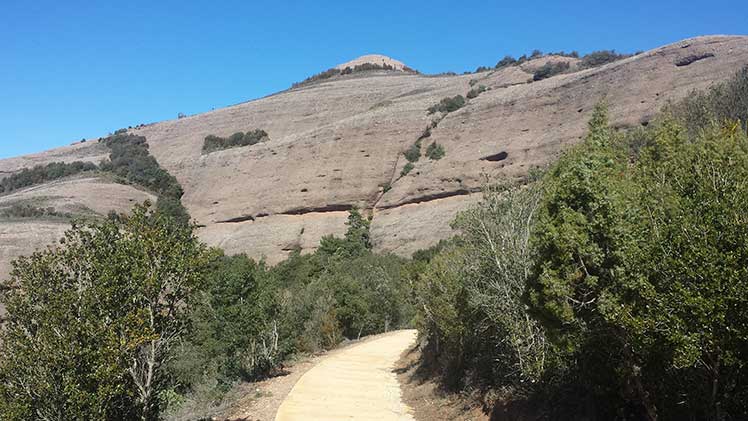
[[599, 58], [365, 67], [448, 105], [41, 174], [473, 93], [506, 61], [623, 284], [413, 154], [470, 303], [130, 159], [435, 151], [722, 102], [214, 143], [407, 169], [549, 69], [105, 307], [327, 74], [28, 211]]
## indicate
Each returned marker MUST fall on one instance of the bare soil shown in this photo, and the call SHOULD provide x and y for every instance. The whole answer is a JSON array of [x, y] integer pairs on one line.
[[428, 400]]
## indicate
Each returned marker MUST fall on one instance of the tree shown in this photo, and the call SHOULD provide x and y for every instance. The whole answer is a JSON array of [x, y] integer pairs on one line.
[[356, 242], [579, 247], [91, 322], [681, 299]]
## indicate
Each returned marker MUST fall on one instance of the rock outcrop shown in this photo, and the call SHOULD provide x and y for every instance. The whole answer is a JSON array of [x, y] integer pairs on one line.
[[339, 143]]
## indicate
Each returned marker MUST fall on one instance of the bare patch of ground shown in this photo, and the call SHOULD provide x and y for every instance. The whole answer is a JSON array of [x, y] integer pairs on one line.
[[260, 401], [422, 392]]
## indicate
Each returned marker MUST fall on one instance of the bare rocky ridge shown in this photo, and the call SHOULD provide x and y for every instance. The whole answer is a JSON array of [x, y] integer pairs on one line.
[[338, 143], [373, 59]]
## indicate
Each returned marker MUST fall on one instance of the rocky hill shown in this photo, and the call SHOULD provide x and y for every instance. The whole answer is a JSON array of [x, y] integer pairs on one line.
[[339, 143]]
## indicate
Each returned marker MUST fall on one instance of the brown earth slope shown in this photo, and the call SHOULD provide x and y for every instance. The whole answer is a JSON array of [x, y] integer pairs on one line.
[[339, 143]]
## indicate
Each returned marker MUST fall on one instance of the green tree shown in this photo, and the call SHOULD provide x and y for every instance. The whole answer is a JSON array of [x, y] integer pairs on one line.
[[682, 300], [91, 322], [356, 242]]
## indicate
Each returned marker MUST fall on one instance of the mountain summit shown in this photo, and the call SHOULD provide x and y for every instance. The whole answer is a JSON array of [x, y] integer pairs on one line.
[[375, 59]]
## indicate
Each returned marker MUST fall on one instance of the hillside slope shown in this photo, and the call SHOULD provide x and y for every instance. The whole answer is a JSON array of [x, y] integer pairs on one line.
[[339, 143]]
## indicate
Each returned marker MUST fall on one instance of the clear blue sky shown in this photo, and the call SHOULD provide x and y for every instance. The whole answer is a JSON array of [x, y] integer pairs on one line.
[[73, 69]]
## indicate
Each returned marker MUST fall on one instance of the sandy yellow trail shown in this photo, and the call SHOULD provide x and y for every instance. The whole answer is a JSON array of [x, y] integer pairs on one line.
[[356, 383]]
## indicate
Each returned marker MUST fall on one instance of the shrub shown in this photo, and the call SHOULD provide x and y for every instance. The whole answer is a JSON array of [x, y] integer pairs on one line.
[[29, 211], [214, 143], [435, 151], [599, 58], [413, 154], [549, 69], [473, 93], [129, 158], [448, 105], [407, 169], [723, 101], [41, 174], [506, 61], [327, 74], [621, 282], [364, 67], [470, 297]]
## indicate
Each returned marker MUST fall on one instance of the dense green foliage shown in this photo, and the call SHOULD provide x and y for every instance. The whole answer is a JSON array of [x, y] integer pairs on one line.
[[41, 174], [130, 159], [613, 287], [215, 143], [91, 323], [252, 317], [448, 105], [552, 68]]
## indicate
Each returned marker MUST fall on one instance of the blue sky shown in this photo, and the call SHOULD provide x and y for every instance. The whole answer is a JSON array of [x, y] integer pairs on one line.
[[74, 69]]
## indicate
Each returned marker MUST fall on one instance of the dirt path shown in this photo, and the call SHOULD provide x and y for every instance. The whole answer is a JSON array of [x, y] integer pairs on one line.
[[357, 383]]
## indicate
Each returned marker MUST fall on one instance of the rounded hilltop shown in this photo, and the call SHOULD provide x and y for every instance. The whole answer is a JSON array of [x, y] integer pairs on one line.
[[375, 59]]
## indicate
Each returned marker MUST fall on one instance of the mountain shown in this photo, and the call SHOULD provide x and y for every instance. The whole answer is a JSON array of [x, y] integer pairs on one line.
[[339, 142]]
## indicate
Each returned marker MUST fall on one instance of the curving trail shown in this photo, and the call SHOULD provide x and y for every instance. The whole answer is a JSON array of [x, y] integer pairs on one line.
[[355, 384]]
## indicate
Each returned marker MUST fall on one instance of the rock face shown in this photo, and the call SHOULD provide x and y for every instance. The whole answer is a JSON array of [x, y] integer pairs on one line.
[[339, 143], [373, 59]]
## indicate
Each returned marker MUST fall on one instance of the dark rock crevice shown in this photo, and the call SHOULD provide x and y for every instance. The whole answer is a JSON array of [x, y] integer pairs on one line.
[[685, 61], [496, 157], [432, 197]]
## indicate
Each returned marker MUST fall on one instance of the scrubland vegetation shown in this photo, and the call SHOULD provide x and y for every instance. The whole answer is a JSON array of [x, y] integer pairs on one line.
[[609, 286], [360, 68], [612, 286], [43, 174], [140, 319], [552, 68], [129, 162], [24, 210], [215, 143], [448, 105]]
